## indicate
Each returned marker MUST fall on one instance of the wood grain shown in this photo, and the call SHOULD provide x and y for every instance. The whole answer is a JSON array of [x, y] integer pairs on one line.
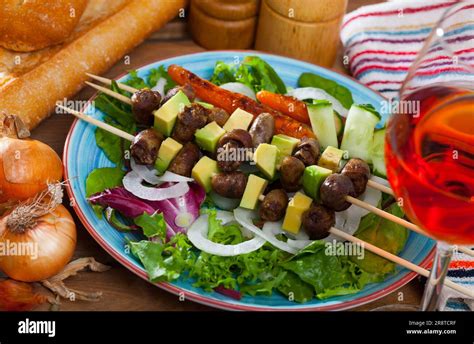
[[122, 290], [315, 41]]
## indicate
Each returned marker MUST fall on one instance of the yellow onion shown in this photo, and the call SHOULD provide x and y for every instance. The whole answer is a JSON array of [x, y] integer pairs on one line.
[[48, 242], [26, 167]]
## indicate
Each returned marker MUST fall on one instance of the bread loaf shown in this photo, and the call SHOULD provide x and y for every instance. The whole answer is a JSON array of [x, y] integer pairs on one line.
[[106, 32], [37, 24]]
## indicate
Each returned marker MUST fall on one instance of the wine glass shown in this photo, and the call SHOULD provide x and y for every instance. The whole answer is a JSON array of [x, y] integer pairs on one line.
[[430, 142]]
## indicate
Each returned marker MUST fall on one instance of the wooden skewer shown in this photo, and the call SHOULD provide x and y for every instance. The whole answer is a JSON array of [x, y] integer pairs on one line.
[[333, 230], [111, 93], [389, 256], [380, 187], [399, 221], [109, 82], [398, 260], [350, 199], [97, 123], [121, 97]]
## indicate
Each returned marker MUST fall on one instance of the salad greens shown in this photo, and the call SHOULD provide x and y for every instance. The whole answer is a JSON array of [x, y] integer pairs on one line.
[[310, 273], [151, 80], [119, 115], [253, 72], [339, 92], [385, 234], [156, 74], [152, 225], [103, 178]]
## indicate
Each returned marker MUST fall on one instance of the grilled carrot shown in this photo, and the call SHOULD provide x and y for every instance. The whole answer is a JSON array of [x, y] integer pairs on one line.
[[230, 101], [288, 105]]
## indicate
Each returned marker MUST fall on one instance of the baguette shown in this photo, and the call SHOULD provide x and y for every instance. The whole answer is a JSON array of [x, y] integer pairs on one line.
[[95, 47]]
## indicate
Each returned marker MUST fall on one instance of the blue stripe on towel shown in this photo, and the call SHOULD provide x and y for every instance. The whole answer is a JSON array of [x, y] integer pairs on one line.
[[461, 273], [409, 32]]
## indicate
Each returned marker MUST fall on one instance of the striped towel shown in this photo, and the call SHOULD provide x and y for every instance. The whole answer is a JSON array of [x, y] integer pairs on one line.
[[381, 42]]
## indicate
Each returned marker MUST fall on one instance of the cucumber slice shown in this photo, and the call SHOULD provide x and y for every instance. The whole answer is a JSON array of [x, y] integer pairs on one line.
[[321, 116], [378, 153], [338, 122], [359, 131]]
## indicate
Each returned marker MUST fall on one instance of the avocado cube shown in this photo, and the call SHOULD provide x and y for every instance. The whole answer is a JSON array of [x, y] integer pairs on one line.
[[294, 212], [265, 156], [206, 105], [168, 150], [313, 177], [208, 136], [239, 119], [331, 158], [254, 188], [203, 171], [285, 144], [165, 116]]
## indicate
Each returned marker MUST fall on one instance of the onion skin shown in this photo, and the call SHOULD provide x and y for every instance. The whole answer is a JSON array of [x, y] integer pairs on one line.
[[26, 166], [55, 235]]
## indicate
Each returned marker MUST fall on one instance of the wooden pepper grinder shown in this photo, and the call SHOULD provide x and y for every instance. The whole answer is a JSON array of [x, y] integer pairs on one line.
[[304, 29], [223, 24]]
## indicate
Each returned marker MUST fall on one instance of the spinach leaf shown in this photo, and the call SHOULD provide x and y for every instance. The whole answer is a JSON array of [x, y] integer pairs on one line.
[[382, 233], [111, 145], [295, 289], [339, 92], [111, 110], [103, 178], [320, 270]]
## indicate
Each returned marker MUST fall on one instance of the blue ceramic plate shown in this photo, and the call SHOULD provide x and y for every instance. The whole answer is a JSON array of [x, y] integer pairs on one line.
[[81, 156]]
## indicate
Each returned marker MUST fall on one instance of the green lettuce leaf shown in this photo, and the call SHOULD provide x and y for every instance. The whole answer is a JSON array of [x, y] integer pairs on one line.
[[339, 92], [152, 225], [135, 81], [164, 262], [266, 285], [211, 271], [253, 72], [156, 74], [103, 178], [223, 73], [263, 75]]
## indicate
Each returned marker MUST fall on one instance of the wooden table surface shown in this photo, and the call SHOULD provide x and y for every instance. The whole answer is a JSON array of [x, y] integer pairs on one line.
[[122, 290]]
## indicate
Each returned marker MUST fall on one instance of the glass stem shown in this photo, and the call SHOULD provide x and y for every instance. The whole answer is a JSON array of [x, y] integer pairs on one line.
[[435, 282]]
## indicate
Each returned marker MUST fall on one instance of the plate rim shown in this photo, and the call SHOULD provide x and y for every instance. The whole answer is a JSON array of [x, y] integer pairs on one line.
[[191, 295]]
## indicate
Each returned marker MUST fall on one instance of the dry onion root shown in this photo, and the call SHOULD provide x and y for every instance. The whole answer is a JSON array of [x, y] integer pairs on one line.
[[57, 286], [21, 296]]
